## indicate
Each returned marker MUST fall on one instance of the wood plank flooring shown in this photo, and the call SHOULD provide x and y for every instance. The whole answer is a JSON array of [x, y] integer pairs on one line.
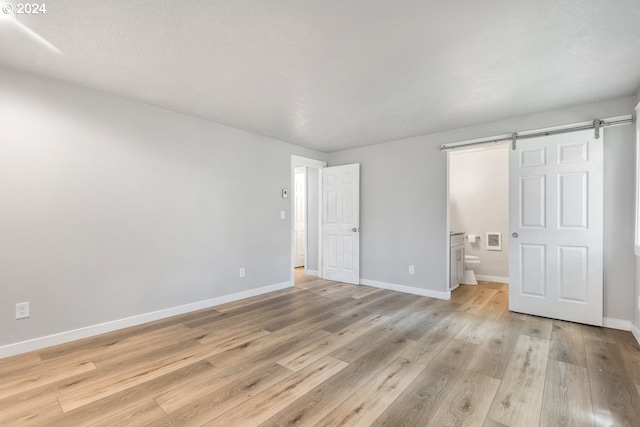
[[330, 354]]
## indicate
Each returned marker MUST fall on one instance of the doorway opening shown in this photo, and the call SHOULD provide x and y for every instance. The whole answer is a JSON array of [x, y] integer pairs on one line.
[[300, 216], [306, 217], [478, 215]]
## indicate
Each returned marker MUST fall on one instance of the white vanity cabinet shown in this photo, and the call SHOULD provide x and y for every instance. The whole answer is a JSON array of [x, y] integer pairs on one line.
[[456, 259]]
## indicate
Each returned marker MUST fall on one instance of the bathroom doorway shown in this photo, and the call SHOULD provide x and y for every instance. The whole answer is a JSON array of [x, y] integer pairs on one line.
[[479, 209]]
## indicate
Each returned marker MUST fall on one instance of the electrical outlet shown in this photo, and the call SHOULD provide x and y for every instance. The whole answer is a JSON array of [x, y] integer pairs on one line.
[[242, 272], [22, 310], [638, 302], [412, 270], [282, 215]]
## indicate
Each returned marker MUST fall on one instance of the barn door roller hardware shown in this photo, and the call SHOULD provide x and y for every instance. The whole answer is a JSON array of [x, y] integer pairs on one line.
[[596, 125]]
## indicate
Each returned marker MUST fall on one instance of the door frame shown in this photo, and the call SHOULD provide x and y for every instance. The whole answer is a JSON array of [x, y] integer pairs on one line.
[[297, 161], [447, 230], [294, 215], [461, 149]]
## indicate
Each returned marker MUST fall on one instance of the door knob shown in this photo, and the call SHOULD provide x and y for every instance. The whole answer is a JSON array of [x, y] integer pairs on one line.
[[514, 235], [354, 229]]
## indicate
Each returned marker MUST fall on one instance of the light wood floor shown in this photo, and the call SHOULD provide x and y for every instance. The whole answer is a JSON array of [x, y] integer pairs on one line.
[[330, 354]]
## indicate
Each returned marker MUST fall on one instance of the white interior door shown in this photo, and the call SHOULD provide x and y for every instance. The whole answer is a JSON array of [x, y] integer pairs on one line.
[[299, 183], [340, 223], [556, 221]]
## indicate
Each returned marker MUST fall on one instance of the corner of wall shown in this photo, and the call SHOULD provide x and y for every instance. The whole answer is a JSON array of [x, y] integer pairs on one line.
[[636, 333]]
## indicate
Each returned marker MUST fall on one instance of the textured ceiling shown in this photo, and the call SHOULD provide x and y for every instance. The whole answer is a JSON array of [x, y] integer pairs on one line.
[[331, 75]]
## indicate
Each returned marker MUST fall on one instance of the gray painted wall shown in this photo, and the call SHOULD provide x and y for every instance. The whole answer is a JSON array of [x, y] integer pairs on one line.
[[479, 203], [404, 200], [619, 221], [403, 212], [313, 220], [111, 208]]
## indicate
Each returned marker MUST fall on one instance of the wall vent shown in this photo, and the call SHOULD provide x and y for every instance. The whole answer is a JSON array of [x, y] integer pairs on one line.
[[494, 241]]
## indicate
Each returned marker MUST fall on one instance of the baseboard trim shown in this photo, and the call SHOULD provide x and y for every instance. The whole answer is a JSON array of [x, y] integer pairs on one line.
[[406, 289], [623, 325], [636, 332], [312, 273], [101, 328], [496, 279]]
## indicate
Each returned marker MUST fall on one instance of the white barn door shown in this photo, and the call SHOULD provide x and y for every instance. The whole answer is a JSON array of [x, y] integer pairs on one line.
[[556, 221], [340, 223]]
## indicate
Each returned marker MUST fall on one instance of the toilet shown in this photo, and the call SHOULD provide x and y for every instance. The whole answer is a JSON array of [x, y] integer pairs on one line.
[[470, 262]]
